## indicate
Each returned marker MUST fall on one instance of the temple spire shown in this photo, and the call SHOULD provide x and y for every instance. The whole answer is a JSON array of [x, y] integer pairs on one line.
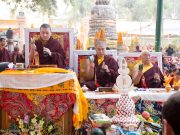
[[103, 16]]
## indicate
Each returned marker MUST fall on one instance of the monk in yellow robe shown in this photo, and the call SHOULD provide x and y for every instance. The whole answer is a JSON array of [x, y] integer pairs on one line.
[[147, 75]]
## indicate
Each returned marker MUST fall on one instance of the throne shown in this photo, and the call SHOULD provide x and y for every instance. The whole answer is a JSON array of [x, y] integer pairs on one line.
[[133, 58], [64, 36]]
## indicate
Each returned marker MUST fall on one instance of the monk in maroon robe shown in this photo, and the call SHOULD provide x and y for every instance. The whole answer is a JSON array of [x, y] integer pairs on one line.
[[153, 78], [49, 50], [102, 70], [4, 53], [147, 75], [17, 56]]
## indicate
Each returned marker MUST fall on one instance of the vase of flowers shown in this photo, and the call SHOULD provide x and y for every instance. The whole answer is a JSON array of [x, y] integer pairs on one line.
[[35, 125]]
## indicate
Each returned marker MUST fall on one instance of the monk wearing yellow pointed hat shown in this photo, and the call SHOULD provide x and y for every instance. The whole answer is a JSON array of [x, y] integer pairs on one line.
[[102, 69]]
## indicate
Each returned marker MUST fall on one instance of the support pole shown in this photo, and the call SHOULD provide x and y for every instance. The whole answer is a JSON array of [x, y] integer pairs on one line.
[[158, 25]]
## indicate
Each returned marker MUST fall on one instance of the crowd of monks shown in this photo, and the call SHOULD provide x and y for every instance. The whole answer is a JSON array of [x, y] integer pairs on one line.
[[7, 56], [101, 69]]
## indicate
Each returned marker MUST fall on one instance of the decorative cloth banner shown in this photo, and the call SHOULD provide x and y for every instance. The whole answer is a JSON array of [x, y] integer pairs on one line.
[[52, 107]]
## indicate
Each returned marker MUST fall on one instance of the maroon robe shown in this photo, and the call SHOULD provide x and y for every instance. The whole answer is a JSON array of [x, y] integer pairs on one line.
[[104, 79], [150, 81], [18, 59], [58, 56], [5, 55]]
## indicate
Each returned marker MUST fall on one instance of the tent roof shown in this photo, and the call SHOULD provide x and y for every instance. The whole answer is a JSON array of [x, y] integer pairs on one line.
[[170, 27]]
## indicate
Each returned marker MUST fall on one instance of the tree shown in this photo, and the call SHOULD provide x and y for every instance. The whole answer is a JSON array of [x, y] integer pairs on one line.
[[136, 10], [144, 10], [44, 6], [79, 8], [172, 9]]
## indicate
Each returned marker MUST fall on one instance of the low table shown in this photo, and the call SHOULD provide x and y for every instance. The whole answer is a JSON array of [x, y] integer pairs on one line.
[[150, 100], [52, 93]]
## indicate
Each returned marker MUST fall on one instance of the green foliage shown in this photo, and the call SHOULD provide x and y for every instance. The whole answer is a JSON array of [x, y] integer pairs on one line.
[[145, 10], [172, 9], [79, 8], [136, 10], [44, 6]]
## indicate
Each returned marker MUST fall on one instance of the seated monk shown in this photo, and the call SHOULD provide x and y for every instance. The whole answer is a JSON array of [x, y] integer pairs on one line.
[[5, 55], [50, 51], [101, 69], [17, 56], [175, 81], [147, 75]]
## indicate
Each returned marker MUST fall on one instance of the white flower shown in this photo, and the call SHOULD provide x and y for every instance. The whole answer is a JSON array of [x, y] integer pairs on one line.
[[50, 128], [41, 123], [34, 120], [20, 122], [24, 130], [21, 126], [32, 133]]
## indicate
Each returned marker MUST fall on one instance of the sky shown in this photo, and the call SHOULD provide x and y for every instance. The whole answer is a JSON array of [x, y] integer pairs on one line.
[[6, 13], [62, 13], [32, 17]]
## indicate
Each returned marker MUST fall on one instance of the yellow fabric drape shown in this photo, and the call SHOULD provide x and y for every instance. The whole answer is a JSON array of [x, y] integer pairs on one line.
[[70, 86], [100, 59], [145, 67], [167, 79], [37, 71], [176, 83], [83, 108]]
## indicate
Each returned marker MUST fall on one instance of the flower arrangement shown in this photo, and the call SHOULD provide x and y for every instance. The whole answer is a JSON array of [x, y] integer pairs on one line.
[[33, 126]]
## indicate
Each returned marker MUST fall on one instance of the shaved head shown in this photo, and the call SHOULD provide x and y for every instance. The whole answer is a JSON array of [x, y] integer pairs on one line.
[[145, 57], [100, 47], [145, 52]]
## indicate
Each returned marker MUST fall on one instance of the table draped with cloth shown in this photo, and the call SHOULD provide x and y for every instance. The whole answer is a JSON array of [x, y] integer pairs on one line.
[[149, 100], [48, 92]]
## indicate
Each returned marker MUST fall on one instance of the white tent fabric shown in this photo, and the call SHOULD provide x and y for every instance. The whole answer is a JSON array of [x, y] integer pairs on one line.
[[170, 27]]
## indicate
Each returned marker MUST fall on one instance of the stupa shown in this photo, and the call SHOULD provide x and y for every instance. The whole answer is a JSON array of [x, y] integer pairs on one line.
[[103, 16], [125, 107]]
